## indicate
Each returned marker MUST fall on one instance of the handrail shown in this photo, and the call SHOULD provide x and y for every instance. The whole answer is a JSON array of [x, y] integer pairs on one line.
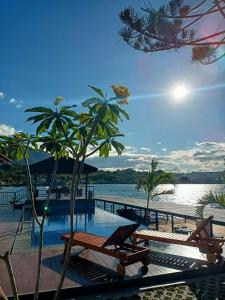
[[11, 198]]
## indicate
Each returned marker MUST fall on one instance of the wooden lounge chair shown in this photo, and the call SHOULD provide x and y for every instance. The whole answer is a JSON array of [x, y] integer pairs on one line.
[[115, 246], [199, 238]]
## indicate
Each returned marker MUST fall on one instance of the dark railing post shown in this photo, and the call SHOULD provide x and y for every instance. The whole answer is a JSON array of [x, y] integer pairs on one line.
[[149, 216], [86, 186], [157, 221], [14, 198], [104, 205], [211, 228], [172, 223]]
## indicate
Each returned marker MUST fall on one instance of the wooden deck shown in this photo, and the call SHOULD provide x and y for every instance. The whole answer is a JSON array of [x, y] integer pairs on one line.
[[9, 221], [86, 269], [89, 267], [173, 209]]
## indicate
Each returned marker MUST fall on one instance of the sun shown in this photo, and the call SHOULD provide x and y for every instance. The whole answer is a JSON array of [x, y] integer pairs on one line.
[[180, 92]]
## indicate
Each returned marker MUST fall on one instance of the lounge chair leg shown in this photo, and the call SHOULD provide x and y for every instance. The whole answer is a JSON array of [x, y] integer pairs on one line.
[[146, 261], [65, 248], [146, 243], [211, 257], [120, 270]]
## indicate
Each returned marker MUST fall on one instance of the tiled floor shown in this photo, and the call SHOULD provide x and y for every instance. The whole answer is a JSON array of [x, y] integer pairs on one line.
[[9, 221]]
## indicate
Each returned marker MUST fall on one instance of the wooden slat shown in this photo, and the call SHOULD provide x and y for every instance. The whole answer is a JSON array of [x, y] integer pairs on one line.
[[200, 227], [160, 235]]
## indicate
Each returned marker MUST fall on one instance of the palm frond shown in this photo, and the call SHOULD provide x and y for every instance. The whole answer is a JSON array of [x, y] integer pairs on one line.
[[207, 199]]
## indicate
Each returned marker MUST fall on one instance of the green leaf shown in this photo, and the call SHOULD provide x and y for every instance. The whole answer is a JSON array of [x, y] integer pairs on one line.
[[40, 109], [118, 147], [124, 113], [98, 91], [92, 101], [63, 108], [43, 126], [104, 150]]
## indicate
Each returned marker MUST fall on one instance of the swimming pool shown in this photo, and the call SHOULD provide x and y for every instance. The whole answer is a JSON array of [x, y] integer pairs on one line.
[[94, 220]]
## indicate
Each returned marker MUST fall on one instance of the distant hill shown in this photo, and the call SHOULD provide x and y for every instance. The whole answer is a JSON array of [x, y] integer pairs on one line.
[[132, 176], [35, 156], [127, 176]]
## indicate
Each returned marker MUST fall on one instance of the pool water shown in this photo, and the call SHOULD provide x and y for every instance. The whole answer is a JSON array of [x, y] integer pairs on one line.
[[95, 220]]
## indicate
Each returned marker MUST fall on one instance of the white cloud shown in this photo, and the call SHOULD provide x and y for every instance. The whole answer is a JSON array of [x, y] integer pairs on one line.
[[164, 149], [20, 105], [203, 156], [6, 130], [145, 149], [159, 143], [2, 95]]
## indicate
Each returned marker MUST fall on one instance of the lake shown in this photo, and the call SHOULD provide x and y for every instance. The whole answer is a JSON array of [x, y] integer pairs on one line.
[[184, 193]]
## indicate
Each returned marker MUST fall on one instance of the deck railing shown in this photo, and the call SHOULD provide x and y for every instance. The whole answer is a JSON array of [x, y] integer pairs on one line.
[[132, 285], [11, 198]]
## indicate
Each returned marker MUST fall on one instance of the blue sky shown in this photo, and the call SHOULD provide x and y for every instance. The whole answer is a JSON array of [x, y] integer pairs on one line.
[[56, 48]]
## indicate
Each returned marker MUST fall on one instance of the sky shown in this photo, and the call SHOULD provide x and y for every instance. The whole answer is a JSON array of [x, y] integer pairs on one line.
[[57, 48]]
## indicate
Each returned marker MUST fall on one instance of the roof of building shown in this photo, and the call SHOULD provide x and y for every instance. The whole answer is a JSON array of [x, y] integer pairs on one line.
[[65, 166]]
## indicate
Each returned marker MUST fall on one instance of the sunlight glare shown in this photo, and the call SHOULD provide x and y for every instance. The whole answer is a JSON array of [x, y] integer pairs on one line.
[[180, 92]]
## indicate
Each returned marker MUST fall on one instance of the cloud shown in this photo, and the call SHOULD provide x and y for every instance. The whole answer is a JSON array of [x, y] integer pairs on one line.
[[145, 149], [203, 156], [6, 130], [18, 103], [2, 95], [164, 149]]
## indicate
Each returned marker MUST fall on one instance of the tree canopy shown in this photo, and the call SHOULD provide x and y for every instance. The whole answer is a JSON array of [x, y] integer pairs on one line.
[[175, 25]]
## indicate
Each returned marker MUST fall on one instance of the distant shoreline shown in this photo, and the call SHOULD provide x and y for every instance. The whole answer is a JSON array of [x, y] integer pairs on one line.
[[114, 183]]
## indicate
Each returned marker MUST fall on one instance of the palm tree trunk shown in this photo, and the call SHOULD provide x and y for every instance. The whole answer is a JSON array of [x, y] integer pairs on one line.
[[41, 235], [74, 184], [30, 189], [38, 274], [75, 181], [146, 212]]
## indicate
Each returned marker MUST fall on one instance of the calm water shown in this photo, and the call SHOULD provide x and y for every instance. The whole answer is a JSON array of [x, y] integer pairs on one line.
[[96, 221], [184, 193]]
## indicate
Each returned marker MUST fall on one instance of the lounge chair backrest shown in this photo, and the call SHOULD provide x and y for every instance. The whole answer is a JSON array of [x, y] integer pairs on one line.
[[120, 235], [201, 229], [206, 231]]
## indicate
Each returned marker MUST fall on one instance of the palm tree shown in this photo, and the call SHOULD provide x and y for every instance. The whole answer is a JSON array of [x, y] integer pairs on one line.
[[151, 181], [210, 198], [68, 133], [85, 133], [207, 199]]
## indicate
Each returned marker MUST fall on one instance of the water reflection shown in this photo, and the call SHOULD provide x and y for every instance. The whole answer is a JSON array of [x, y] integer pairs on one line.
[[184, 193], [95, 221]]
